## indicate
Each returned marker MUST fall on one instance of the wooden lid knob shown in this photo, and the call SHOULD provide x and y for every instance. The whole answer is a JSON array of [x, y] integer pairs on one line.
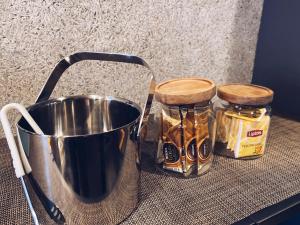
[[245, 94], [185, 91]]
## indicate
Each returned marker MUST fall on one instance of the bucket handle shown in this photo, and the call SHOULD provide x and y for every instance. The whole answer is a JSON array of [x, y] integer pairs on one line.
[[65, 63]]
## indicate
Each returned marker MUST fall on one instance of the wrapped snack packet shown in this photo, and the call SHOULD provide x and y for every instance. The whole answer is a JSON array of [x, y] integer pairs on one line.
[[182, 113], [203, 141], [190, 142], [171, 140]]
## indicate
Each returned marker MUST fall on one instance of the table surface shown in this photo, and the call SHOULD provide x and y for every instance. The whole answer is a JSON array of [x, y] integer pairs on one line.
[[232, 190]]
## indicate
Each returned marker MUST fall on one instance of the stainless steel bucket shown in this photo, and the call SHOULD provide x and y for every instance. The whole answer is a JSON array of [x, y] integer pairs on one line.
[[87, 161]]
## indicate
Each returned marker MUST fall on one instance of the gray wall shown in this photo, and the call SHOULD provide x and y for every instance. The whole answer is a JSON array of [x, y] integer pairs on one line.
[[210, 38]]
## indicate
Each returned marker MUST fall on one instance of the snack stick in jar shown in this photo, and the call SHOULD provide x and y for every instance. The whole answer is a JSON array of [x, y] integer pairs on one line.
[[203, 142], [183, 113], [238, 138], [235, 131], [223, 123], [220, 126], [227, 123], [230, 133]]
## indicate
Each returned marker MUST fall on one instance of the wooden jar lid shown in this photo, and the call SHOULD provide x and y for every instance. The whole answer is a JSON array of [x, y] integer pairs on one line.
[[245, 94], [185, 91]]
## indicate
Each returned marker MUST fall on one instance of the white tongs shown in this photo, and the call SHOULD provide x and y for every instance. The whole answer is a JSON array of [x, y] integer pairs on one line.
[[20, 164]]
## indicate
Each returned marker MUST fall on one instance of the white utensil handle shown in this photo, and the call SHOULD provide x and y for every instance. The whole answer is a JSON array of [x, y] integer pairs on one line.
[[17, 163]]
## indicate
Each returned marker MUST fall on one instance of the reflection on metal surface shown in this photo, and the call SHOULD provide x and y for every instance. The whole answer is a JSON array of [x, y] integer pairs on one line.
[[85, 157]]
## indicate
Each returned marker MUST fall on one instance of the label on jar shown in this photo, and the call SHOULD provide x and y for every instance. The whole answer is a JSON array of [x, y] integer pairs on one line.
[[204, 150], [247, 136], [172, 157], [171, 153], [191, 149], [191, 156]]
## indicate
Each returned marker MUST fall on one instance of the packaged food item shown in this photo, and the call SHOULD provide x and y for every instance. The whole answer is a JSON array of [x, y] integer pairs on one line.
[[187, 125], [172, 143], [243, 120], [205, 127]]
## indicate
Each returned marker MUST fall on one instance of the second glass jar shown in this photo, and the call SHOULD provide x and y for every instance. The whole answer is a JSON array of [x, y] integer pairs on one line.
[[243, 120]]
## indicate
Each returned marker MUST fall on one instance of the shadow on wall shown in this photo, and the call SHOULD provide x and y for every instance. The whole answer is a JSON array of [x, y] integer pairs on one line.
[[277, 62], [245, 28]]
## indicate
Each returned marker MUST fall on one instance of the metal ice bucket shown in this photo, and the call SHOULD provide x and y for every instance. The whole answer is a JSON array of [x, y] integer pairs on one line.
[[87, 161]]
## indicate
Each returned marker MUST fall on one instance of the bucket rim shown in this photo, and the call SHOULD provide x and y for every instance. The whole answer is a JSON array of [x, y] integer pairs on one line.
[[92, 97]]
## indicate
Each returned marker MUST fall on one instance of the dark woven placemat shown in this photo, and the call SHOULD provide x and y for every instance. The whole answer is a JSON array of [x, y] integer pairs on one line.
[[232, 190]]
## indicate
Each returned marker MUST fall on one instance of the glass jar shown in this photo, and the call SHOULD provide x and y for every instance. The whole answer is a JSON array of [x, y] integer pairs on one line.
[[187, 126], [243, 120]]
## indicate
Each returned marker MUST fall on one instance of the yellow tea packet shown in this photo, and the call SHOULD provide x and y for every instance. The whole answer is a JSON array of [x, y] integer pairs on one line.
[[248, 134], [223, 123]]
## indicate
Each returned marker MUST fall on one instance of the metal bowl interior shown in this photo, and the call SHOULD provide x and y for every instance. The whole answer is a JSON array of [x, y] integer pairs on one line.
[[82, 115]]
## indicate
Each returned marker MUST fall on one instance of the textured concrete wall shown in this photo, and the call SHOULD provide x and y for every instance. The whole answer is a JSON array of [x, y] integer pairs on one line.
[[209, 38]]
